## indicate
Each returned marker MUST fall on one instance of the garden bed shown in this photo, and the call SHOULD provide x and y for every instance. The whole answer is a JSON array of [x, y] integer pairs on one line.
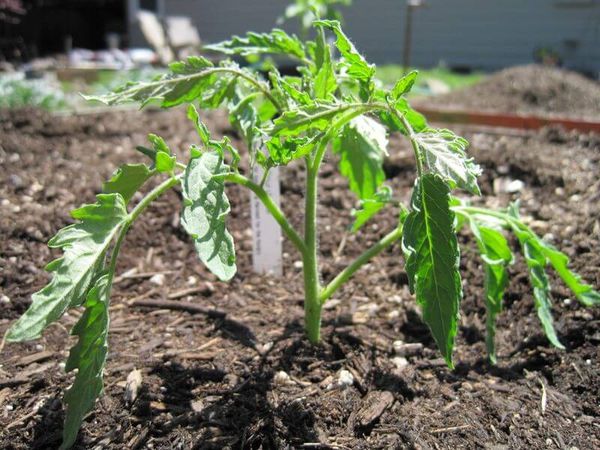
[[213, 379]]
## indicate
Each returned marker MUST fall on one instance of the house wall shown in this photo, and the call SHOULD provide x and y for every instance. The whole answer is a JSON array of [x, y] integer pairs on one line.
[[479, 34]]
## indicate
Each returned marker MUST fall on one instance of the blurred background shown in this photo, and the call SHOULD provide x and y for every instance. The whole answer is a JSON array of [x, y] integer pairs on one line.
[[87, 44]]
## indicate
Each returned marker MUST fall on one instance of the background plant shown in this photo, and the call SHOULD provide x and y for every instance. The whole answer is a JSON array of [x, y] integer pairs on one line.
[[329, 104]]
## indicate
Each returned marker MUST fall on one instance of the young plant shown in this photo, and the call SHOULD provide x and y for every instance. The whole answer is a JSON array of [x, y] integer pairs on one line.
[[284, 120], [307, 11]]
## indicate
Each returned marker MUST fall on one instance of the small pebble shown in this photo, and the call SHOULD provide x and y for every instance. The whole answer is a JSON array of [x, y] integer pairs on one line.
[[298, 264], [400, 362], [39, 347], [567, 301], [4, 299], [158, 279], [281, 378], [9, 407], [345, 379]]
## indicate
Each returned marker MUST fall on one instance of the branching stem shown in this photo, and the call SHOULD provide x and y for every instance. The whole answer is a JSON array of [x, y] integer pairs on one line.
[[345, 274], [133, 215]]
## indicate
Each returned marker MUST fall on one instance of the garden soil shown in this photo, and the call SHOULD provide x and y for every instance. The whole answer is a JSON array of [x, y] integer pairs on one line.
[[229, 367], [530, 89]]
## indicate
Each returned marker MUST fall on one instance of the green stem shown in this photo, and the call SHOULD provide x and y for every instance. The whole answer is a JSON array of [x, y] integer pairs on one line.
[[273, 209], [345, 274], [312, 304], [133, 215], [411, 136], [510, 221]]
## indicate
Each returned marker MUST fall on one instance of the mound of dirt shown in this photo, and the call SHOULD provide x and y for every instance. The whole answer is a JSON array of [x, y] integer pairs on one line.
[[530, 89]]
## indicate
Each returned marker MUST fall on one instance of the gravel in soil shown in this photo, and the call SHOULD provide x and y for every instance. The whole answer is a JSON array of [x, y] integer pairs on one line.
[[238, 373], [531, 89]]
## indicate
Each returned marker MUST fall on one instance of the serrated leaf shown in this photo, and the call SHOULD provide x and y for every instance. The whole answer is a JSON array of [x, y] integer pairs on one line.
[[497, 255], [583, 292], [444, 154], [183, 84], [201, 129], [84, 245], [356, 64], [88, 357], [195, 79], [292, 86], [325, 83], [370, 207], [204, 213], [127, 180], [159, 144], [362, 147], [432, 260], [315, 117], [275, 42], [404, 85], [415, 119], [284, 150], [536, 263]]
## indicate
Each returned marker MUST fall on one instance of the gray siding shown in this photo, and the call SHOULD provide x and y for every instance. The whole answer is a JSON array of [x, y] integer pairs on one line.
[[481, 34]]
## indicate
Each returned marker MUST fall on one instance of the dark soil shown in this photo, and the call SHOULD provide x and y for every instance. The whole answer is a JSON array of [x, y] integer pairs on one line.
[[212, 379], [531, 89]]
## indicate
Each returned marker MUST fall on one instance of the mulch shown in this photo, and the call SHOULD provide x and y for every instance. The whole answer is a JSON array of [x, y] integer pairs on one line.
[[227, 365]]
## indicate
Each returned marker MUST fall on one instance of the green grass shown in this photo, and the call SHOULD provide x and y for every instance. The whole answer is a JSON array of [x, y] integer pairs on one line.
[[388, 74]]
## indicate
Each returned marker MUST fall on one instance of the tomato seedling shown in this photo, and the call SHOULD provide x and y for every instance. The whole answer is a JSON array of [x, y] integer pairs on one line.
[[330, 104]]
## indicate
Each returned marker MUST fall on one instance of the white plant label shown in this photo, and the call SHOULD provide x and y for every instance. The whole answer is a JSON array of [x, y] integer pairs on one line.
[[266, 234]]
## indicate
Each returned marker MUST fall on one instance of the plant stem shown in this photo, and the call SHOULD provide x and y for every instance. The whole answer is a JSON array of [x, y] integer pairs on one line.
[[133, 215], [411, 136], [273, 209], [312, 304], [345, 274]]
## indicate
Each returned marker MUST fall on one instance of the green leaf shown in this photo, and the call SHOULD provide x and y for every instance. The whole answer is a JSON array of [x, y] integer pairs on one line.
[[316, 117], [536, 262], [583, 292], [444, 153], [415, 119], [127, 180], [370, 207], [195, 79], [284, 150], [325, 82], [84, 245], [276, 42], [165, 163], [183, 84], [497, 255], [432, 260], [88, 357], [205, 209], [201, 129], [404, 85], [159, 144], [362, 146], [356, 64]]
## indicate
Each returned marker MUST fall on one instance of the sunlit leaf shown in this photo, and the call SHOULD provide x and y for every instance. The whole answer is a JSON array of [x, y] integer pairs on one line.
[[362, 147], [432, 260], [127, 180], [88, 357], [204, 213], [84, 245], [276, 41], [444, 154]]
